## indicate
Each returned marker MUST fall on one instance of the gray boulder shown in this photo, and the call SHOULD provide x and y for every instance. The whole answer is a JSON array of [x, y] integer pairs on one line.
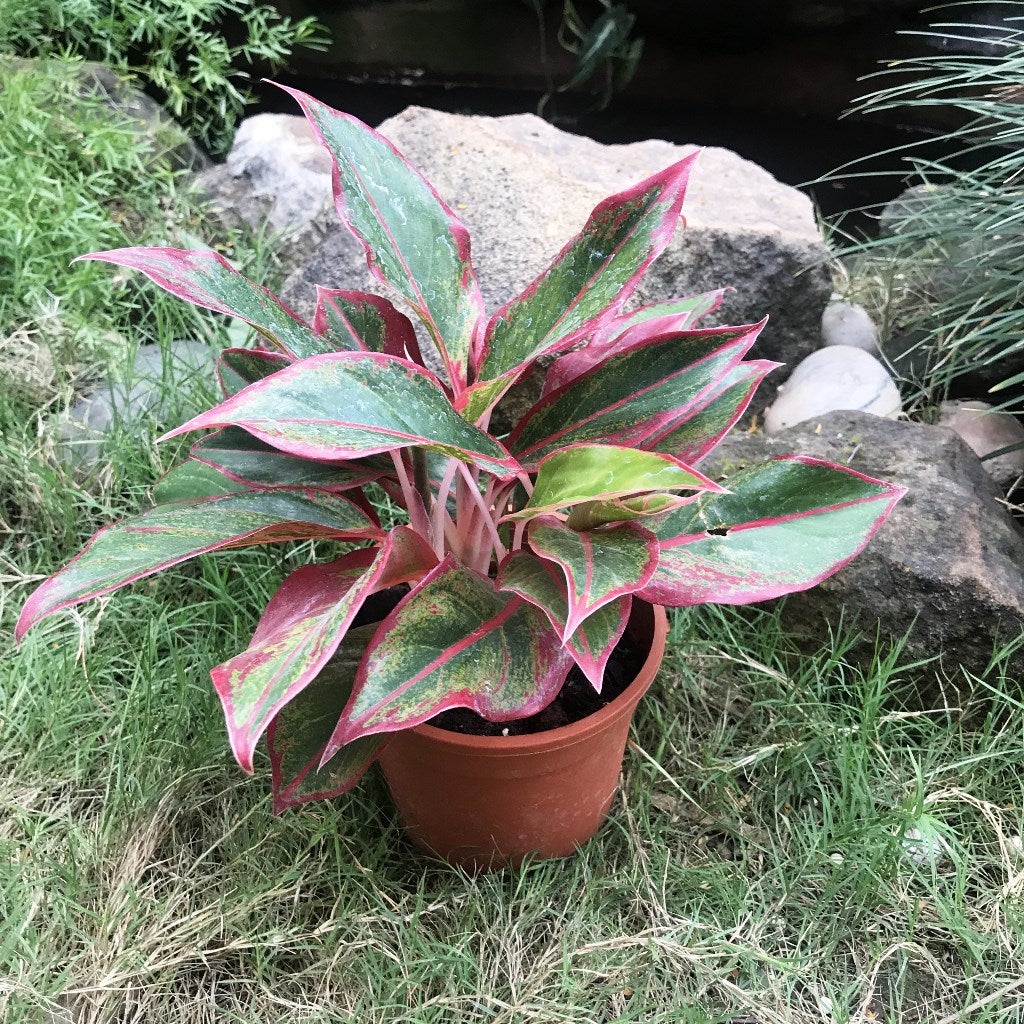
[[948, 566], [156, 389], [523, 188]]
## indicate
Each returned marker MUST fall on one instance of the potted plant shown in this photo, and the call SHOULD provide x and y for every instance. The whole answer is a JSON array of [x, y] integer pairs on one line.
[[523, 556]]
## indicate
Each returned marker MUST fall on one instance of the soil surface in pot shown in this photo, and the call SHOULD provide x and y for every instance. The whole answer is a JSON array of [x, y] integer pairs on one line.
[[576, 700]]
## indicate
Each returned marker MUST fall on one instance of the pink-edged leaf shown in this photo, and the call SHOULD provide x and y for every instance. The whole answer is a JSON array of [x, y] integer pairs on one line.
[[362, 322], [206, 279], [591, 277], [297, 737], [350, 404], [622, 332], [634, 394], [302, 628], [600, 566], [169, 534], [700, 429], [256, 465], [589, 472], [784, 525], [543, 584], [454, 641], [237, 368], [412, 238]]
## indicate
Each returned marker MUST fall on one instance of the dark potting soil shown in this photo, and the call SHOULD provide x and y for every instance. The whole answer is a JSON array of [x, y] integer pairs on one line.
[[576, 700]]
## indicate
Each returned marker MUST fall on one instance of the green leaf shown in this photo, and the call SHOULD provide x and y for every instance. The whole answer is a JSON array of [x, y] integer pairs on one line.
[[193, 480], [632, 395], [298, 735], [588, 280], [169, 534], [454, 641], [351, 404], [237, 368], [542, 583], [206, 279], [413, 240], [600, 566], [253, 463], [587, 472], [301, 629], [783, 526]]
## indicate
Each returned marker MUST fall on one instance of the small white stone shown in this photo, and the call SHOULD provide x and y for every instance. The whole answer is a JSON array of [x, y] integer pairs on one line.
[[923, 844], [846, 323], [833, 378], [985, 431]]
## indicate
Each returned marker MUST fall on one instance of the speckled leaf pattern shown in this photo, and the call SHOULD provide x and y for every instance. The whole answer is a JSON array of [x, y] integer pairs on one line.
[[298, 735], [588, 472], [206, 279], [302, 627], [413, 240], [591, 277], [255, 464], [700, 429], [454, 641], [169, 534], [350, 404], [785, 525], [542, 583], [237, 368], [359, 321], [623, 332], [633, 395], [600, 566]]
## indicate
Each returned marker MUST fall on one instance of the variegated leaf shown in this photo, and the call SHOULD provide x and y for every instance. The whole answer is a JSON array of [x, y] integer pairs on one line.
[[298, 735], [350, 404], [169, 534], [600, 566], [634, 394], [237, 368], [784, 525], [302, 627], [542, 583], [699, 430], [592, 514], [360, 321], [206, 279], [589, 472], [413, 240], [590, 278], [243, 458], [623, 332], [454, 641]]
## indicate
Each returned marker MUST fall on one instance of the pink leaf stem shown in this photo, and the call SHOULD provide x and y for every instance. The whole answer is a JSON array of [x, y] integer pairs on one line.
[[487, 520], [413, 502], [441, 507]]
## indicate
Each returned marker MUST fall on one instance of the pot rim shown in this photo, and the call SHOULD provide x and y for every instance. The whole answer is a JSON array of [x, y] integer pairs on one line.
[[564, 735]]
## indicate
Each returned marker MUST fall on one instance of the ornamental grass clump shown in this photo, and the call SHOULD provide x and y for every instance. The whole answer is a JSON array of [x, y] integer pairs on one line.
[[522, 554]]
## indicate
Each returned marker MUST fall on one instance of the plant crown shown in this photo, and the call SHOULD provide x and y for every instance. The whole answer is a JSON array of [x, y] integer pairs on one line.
[[522, 553]]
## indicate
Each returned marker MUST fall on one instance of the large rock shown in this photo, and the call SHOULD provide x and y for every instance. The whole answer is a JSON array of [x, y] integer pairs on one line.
[[948, 565], [523, 188]]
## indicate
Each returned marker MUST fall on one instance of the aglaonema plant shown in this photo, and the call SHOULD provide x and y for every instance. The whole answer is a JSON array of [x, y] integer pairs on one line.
[[522, 554]]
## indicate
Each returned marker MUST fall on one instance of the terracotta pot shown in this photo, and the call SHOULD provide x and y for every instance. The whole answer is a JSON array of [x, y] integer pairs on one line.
[[487, 801]]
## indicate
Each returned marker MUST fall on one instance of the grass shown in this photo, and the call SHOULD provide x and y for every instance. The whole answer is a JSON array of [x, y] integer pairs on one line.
[[758, 862], [796, 840], [944, 283]]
